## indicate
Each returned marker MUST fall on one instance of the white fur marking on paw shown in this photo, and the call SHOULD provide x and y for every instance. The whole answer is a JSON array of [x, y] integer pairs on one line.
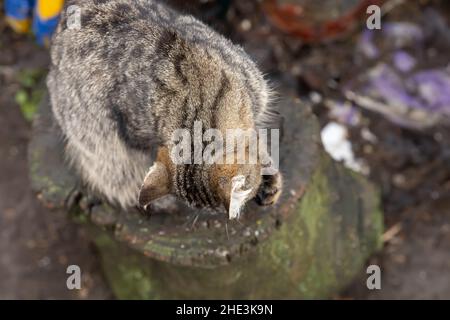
[[238, 196]]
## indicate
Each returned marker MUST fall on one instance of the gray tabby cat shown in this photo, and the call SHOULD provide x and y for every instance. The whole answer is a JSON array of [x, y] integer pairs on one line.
[[132, 74]]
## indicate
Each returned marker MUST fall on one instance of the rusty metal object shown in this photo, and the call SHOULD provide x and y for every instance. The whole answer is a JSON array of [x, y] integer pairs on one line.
[[316, 21]]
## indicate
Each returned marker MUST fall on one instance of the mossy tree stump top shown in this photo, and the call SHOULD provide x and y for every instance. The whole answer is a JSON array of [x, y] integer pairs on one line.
[[179, 234]]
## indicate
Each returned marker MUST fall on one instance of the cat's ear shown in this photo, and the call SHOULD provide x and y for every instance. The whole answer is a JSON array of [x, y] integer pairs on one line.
[[156, 184]]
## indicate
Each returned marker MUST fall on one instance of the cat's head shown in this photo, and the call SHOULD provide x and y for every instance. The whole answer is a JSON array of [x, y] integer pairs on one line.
[[200, 185]]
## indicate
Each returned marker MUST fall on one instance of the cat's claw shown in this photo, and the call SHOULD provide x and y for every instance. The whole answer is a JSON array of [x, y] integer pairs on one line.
[[85, 201], [73, 198]]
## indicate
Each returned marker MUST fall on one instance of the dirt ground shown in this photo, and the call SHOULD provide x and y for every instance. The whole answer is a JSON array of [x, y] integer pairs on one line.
[[36, 245]]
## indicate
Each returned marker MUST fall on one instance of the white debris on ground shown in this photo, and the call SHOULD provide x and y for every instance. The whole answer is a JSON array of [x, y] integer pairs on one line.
[[335, 140]]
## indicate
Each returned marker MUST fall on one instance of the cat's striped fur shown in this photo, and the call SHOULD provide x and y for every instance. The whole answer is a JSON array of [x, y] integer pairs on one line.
[[135, 72]]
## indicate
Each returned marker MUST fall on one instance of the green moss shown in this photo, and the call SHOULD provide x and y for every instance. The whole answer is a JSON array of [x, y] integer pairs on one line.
[[135, 283], [52, 186], [319, 250], [31, 92], [301, 247], [127, 278], [313, 209], [78, 216]]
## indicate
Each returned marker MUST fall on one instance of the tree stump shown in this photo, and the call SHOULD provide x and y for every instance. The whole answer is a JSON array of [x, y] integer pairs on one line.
[[309, 245]]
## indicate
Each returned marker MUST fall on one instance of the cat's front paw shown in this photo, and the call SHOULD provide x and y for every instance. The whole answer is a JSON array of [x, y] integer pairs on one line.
[[270, 190]]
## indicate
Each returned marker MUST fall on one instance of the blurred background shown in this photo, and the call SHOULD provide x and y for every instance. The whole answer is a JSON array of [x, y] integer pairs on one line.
[[382, 97]]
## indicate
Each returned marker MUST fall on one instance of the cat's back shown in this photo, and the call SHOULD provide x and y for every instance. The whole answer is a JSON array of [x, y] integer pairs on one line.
[[102, 63], [105, 32], [122, 48], [121, 32]]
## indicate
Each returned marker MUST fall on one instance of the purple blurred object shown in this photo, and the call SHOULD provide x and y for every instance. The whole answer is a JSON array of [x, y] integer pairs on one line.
[[409, 84], [403, 32], [343, 112], [403, 61], [434, 89], [366, 45]]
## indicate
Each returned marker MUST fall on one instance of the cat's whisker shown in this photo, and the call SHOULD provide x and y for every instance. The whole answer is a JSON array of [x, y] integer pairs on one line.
[[226, 230], [195, 220]]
